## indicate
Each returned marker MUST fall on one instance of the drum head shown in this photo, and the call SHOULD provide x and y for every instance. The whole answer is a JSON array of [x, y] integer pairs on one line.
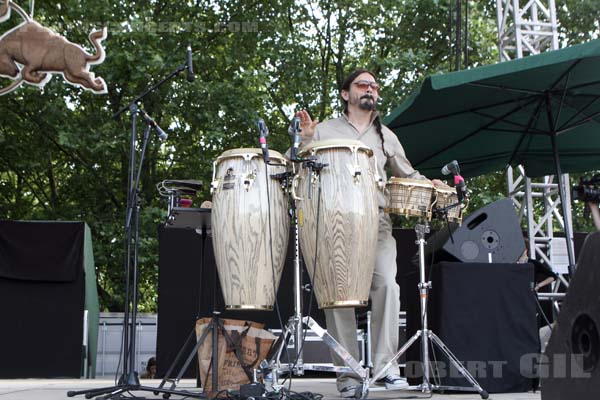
[[247, 152], [410, 182], [334, 144], [450, 191]]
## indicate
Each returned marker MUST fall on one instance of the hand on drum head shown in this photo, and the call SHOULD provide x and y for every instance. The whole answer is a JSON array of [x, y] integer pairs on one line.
[[307, 125], [440, 184]]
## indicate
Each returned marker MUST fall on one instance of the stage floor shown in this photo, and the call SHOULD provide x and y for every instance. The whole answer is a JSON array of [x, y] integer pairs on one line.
[[55, 389]]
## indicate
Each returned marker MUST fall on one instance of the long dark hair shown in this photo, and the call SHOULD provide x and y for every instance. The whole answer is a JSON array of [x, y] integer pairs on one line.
[[377, 121]]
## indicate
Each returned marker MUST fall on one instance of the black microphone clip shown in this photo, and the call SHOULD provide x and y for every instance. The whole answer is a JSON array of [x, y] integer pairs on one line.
[[459, 182], [162, 135], [263, 132], [293, 131]]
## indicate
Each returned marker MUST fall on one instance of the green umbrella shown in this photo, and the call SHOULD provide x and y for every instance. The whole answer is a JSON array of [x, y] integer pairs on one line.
[[510, 113], [540, 111]]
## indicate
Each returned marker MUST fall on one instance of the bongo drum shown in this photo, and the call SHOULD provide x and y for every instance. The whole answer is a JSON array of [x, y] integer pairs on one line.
[[246, 201], [339, 222], [410, 197], [446, 197]]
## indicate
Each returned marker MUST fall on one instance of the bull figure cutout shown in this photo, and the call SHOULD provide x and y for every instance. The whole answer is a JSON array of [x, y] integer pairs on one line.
[[31, 53]]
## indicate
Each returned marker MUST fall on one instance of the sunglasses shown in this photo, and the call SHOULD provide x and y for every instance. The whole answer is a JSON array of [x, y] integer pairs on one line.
[[364, 85]]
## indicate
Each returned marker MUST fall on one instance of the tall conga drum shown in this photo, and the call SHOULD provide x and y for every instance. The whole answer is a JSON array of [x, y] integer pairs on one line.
[[338, 217], [250, 227]]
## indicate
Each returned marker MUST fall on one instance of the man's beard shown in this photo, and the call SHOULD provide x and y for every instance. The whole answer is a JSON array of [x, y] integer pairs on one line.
[[367, 105]]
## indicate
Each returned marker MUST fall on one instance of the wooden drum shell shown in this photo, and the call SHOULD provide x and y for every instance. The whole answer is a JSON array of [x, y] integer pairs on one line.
[[446, 197], [410, 197], [348, 222], [240, 227]]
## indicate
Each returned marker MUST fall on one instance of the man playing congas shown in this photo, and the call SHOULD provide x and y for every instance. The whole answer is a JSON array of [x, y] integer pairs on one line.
[[360, 121]]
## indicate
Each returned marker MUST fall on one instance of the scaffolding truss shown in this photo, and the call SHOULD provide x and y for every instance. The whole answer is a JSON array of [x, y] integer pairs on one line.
[[528, 28]]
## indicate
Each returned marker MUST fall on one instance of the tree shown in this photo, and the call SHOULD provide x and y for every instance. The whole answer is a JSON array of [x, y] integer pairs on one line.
[[63, 156]]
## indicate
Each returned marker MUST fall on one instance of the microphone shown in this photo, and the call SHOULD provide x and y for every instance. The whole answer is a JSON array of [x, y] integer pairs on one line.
[[263, 132], [459, 182], [189, 65], [451, 168], [161, 134], [293, 131]]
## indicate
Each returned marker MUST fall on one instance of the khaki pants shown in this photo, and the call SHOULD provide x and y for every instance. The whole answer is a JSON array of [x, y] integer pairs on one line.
[[385, 307]]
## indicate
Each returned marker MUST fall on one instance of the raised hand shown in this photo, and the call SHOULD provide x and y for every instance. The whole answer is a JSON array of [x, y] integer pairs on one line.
[[307, 125]]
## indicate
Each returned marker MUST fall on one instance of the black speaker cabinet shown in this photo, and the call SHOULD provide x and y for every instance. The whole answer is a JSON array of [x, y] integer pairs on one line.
[[570, 368], [490, 233]]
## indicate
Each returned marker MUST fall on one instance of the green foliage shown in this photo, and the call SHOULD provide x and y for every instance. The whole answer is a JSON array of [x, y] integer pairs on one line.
[[578, 20], [63, 156]]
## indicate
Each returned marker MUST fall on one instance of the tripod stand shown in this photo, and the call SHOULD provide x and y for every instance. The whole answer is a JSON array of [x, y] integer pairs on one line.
[[200, 218], [213, 327], [427, 336], [129, 380]]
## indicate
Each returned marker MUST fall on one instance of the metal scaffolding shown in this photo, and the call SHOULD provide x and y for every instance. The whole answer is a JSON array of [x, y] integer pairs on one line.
[[527, 29]]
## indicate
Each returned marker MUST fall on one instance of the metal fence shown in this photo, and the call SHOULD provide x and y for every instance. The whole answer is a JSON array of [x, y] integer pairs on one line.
[[110, 337]]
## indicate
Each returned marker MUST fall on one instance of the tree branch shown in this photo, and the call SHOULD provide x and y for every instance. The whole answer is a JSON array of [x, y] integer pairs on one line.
[[26, 182]]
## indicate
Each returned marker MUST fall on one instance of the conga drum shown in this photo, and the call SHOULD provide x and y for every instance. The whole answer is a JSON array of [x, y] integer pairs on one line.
[[250, 227], [339, 222], [410, 197]]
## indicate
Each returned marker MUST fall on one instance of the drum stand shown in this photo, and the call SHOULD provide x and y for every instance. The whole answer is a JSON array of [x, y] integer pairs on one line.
[[271, 367], [426, 335], [294, 331], [213, 327]]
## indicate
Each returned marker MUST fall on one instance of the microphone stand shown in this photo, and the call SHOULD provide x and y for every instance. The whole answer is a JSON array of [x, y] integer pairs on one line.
[[151, 89], [129, 380], [442, 213]]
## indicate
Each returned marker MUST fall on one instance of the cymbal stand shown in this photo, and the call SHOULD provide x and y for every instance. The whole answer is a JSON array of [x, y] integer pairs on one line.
[[427, 336], [271, 367]]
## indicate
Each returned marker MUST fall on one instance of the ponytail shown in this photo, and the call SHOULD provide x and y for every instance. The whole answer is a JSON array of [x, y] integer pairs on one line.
[[377, 123]]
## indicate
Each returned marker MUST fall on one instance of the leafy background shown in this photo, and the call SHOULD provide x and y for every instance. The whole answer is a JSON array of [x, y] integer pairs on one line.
[[63, 156]]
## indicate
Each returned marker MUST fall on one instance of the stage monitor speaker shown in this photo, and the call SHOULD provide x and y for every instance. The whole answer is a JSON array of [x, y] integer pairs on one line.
[[570, 368], [490, 233]]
